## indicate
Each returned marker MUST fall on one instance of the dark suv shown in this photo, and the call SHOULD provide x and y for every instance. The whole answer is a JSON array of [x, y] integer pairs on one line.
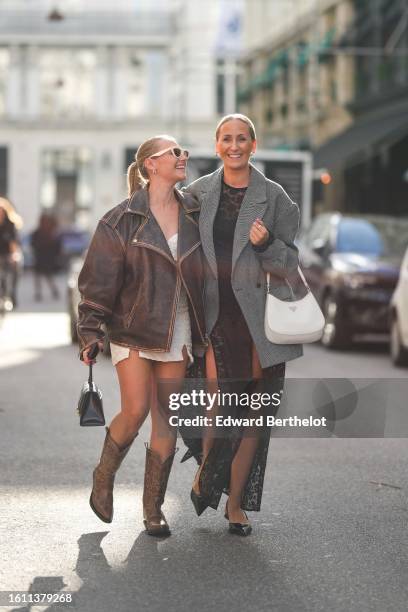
[[352, 265]]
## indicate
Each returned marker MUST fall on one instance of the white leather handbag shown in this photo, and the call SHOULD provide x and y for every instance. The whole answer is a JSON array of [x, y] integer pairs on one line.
[[295, 322]]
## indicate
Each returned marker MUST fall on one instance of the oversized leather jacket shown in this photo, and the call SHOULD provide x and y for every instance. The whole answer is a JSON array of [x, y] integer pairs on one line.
[[131, 283]]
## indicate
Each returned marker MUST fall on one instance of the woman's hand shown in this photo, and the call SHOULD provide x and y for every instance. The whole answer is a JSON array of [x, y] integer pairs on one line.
[[258, 234], [86, 352]]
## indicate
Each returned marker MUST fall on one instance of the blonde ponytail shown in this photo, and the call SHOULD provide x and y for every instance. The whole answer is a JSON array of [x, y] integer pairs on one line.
[[137, 175], [134, 179]]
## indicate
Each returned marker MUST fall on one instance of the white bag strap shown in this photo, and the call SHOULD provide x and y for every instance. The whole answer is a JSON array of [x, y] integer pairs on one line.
[[268, 278]]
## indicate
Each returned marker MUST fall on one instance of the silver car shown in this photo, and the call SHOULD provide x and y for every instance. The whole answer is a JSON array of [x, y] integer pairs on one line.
[[399, 317]]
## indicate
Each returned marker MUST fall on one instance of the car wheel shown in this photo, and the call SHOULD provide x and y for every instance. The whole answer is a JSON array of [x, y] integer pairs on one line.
[[335, 335], [399, 354]]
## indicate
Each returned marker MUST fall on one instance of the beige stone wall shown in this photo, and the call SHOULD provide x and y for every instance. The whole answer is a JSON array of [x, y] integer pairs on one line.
[[317, 95]]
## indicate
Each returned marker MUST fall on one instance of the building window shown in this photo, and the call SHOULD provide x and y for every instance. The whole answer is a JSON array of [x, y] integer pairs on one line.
[[67, 82], [67, 185], [269, 116], [136, 86], [220, 87], [4, 65]]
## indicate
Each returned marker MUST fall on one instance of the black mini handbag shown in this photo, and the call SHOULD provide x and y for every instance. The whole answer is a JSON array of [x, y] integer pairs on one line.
[[90, 406]]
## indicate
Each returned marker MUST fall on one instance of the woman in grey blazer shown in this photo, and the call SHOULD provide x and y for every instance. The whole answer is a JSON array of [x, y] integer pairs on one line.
[[247, 225]]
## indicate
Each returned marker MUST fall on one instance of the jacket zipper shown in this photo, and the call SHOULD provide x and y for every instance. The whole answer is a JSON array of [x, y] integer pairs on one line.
[[180, 278], [131, 316], [173, 316], [179, 262], [176, 298]]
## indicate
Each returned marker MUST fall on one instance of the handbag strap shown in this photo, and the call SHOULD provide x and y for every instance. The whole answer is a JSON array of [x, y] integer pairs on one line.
[[268, 279], [90, 380]]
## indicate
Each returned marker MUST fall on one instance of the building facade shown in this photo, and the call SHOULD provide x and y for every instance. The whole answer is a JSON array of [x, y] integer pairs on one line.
[[83, 83], [331, 76], [293, 87], [369, 161]]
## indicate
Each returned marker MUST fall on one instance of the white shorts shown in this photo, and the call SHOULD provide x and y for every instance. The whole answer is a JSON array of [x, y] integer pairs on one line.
[[181, 338]]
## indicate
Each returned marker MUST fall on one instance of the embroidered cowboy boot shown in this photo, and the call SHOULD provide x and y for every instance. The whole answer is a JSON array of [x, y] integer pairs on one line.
[[101, 500], [155, 484]]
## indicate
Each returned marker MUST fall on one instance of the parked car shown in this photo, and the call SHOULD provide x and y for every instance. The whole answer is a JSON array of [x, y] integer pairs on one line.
[[399, 317], [73, 299], [352, 266], [74, 244]]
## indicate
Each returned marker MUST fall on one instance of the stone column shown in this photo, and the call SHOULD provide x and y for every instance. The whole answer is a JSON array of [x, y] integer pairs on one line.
[[230, 85], [101, 83], [345, 64], [153, 72], [32, 82], [14, 83], [119, 82], [293, 92]]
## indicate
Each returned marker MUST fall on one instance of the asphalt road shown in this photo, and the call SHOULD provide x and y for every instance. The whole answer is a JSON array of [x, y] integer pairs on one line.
[[331, 535]]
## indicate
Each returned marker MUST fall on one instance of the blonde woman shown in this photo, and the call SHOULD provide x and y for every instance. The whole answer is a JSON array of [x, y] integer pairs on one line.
[[143, 278]]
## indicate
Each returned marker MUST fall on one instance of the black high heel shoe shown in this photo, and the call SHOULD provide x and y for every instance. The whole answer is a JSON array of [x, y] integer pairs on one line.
[[241, 529], [199, 502]]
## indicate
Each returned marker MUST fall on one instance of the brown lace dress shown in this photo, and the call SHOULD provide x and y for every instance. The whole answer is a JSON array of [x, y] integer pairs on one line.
[[232, 344]]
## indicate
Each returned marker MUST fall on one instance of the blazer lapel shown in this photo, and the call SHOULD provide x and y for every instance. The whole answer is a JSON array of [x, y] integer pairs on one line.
[[209, 206], [253, 205], [188, 234]]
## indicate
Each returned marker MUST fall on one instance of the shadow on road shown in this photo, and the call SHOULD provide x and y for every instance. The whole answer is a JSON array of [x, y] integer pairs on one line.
[[205, 571]]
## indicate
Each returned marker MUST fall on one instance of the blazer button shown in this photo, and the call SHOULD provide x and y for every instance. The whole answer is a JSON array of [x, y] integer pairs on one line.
[[258, 285]]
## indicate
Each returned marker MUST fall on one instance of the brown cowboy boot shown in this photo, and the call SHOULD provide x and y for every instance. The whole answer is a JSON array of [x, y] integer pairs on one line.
[[101, 500], [155, 485]]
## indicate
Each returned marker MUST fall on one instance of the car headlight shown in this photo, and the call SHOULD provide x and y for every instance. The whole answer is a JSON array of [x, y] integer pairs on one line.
[[356, 281]]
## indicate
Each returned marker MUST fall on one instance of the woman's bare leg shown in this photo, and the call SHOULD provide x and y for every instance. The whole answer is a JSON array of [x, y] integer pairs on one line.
[[135, 378], [242, 462], [168, 379]]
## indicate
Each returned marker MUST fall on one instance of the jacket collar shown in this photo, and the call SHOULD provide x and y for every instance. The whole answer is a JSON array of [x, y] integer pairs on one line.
[[256, 187], [139, 202], [149, 233]]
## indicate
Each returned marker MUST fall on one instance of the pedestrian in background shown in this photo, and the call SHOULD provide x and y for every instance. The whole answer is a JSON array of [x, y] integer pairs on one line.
[[10, 251], [47, 249], [142, 277], [248, 226]]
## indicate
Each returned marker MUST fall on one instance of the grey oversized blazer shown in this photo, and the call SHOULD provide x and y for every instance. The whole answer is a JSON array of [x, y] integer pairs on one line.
[[268, 201]]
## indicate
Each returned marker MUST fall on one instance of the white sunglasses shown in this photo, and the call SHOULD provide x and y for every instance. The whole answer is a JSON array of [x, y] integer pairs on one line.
[[177, 152]]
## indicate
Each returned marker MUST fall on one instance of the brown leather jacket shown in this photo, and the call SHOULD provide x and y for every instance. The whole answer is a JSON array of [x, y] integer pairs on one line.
[[131, 283]]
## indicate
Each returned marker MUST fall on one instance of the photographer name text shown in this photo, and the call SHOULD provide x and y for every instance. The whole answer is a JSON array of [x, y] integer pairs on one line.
[[260, 421]]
